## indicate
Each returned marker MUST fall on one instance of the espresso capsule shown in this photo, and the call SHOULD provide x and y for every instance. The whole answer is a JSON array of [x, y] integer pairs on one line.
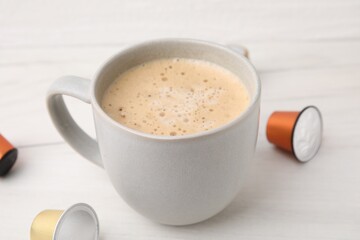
[[77, 222], [297, 132], [8, 155]]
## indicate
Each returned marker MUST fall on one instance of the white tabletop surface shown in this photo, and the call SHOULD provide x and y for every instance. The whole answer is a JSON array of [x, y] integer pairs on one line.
[[306, 52]]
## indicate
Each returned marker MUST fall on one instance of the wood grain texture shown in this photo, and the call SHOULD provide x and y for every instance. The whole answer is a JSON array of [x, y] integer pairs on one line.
[[306, 52], [77, 23]]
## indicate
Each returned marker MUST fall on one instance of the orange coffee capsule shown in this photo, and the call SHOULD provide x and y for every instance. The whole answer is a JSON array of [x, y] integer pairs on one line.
[[8, 155], [297, 132]]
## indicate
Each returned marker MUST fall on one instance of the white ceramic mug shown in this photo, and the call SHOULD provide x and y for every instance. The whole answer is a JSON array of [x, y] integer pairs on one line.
[[174, 180]]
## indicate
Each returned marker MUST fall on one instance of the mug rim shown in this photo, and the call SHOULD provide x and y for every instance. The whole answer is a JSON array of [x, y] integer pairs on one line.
[[212, 131]]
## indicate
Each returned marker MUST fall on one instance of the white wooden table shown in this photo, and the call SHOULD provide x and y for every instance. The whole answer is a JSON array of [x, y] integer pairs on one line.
[[307, 52]]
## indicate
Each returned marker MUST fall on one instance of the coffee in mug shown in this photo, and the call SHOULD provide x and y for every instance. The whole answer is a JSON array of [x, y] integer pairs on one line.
[[175, 180], [175, 96]]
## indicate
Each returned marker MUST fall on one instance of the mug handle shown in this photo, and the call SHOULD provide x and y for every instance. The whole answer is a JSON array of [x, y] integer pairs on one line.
[[80, 141]]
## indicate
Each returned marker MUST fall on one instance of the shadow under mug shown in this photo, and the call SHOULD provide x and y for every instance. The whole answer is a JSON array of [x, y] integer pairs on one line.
[[175, 180]]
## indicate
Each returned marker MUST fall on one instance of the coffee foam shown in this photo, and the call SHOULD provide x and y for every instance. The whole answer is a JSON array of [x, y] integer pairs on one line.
[[175, 97]]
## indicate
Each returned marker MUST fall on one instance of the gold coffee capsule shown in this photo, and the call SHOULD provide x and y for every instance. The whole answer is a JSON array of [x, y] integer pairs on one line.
[[77, 222], [297, 132], [8, 155]]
